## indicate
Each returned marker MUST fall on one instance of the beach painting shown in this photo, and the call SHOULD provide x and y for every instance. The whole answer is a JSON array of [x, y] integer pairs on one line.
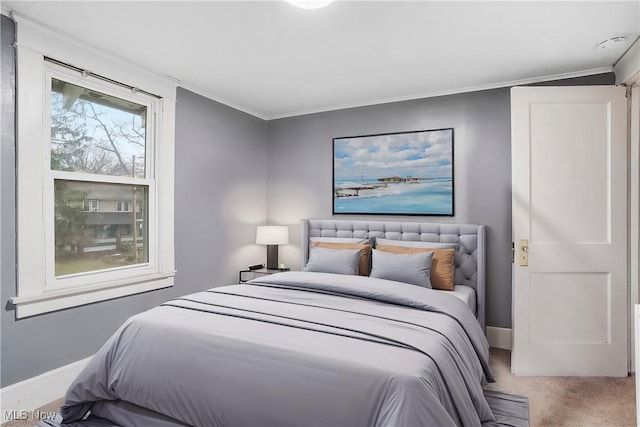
[[408, 173]]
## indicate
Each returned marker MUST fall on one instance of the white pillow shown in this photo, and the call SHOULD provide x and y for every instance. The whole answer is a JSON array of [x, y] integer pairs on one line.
[[339, 261], [341, 240], [416, 244], [408, 268]]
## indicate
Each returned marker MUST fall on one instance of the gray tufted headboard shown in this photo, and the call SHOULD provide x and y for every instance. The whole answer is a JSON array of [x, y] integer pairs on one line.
[[470, 259]]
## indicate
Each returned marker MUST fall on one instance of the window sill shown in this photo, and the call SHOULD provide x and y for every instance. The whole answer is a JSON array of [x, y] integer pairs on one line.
[[48, 301]]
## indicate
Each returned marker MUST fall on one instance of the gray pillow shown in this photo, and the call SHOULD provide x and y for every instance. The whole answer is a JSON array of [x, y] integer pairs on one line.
[[408, 268], [339, 261]]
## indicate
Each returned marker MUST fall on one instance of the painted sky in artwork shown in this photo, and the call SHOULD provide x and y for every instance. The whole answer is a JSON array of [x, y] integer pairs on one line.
[[426, 154]]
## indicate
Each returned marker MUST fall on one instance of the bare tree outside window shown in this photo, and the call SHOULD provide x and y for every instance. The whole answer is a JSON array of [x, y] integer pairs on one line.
[[95, 133], [98, 225]]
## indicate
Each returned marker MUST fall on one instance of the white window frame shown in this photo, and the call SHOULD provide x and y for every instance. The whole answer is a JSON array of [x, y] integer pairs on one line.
[[152, 105], [88, 205], [120, 204], [39, 291]]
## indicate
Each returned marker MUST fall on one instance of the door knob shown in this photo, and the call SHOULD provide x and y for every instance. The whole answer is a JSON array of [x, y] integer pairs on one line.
[[524, 253]]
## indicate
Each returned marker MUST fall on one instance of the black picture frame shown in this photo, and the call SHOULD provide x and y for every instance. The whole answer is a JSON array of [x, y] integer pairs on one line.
[[399, 173]]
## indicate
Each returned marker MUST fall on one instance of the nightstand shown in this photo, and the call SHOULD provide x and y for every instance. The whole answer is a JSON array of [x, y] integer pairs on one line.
[[246, 275]]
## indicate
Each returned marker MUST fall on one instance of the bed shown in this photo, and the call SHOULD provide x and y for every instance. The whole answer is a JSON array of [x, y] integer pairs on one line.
[[469, 241], [307, 348]]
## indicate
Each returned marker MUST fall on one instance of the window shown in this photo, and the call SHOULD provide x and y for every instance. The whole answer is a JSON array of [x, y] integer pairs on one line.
[[123, 206], [100, 183], [91, 206], [91, 240], [98, 148]]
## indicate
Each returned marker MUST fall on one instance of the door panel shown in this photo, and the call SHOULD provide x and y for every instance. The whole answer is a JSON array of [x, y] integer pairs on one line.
[[551, 322], [569, 160], [566, 159]]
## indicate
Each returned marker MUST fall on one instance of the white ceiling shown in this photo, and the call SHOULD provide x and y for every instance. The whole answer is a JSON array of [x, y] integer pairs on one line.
[[273, 60]]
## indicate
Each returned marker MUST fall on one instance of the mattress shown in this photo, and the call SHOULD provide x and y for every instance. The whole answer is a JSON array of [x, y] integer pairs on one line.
[[466, 294]]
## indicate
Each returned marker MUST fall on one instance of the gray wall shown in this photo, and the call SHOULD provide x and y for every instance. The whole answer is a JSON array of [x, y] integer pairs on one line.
[[221, 190], [219, 198], [299, 165]]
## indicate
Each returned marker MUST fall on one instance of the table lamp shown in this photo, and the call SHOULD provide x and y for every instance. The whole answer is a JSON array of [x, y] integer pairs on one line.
[[272, 236]]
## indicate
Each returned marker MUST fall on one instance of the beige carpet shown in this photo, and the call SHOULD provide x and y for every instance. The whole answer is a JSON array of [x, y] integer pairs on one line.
[[569, 401], [553, 401]]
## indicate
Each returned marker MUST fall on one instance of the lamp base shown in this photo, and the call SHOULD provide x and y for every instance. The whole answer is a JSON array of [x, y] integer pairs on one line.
[[272, 257]]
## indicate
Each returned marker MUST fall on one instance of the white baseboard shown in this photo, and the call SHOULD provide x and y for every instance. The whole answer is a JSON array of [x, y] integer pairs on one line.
[[499, 337], [21, 398]]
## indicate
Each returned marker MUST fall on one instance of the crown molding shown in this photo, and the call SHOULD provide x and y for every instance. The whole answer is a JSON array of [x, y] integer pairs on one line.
[[453, 91], [223, 101], [627, 68]]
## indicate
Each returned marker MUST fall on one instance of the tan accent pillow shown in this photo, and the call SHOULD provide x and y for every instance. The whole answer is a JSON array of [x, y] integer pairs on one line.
[[363, 266], [442, 266]]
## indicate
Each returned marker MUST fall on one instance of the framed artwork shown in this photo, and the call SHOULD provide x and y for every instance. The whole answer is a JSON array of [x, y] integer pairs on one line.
[[404, 173]]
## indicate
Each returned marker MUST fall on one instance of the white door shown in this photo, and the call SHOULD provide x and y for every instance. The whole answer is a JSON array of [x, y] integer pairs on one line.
[[569, 194]]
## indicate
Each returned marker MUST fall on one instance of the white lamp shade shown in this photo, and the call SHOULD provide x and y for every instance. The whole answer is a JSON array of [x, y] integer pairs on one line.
[[272, 235], [310, 4]]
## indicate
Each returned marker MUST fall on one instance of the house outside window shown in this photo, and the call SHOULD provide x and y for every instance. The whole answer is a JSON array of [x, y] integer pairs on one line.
[[105, 197]]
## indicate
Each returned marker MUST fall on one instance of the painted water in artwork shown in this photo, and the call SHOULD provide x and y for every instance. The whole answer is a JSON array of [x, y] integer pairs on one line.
[[396, 174]]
